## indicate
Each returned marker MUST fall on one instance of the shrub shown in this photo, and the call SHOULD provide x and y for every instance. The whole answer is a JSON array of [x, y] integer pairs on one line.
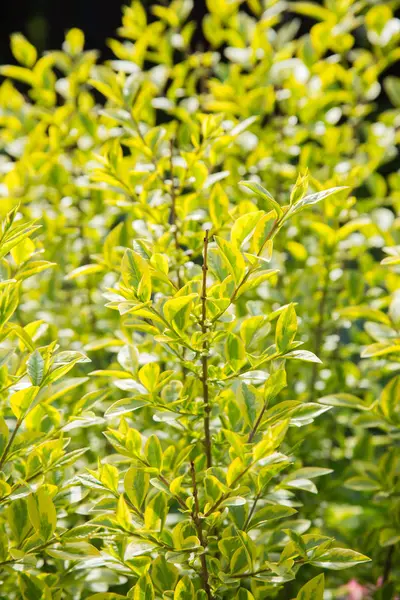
[[179, 460]]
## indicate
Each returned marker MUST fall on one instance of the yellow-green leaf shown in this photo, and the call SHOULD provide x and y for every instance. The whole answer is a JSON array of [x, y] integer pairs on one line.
[[22, 400], [233, 258], [42, 513], [313, 590]]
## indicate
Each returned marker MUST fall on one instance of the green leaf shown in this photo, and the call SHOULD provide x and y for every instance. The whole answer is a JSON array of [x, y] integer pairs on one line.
[[184, 589], [18, 519], [263, 231], [339, 558], [380, 349], [31, 587], [363, 484], [271, 512], [74, 551], [164, 574], [307, 412], [84, 270], [389, 537], [313, 199], [22, 401], [304, 355], [247, 398], [286, 328], [259, 190], [106, 596], [343, 400], [124, 406], [244, 594], [143, 590], [244, 226], [218, 206], [235, 351], [275, 383], [313, 589], [177, 311], [16, 234], [59, 371], [42, 514], [365, 312], [233, 259], [154, 452], [309, 473], [136, 275], [156, 512], [240, 561], [21, 334], [149, 375], [35, 368], [389, 400], [302, 484]]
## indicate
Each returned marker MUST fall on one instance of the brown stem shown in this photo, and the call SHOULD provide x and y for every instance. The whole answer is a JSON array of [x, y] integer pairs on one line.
[[177, 498], [173, 207], [197, 522], [256, 425], [204, 357], [10, 443], [253, 508]]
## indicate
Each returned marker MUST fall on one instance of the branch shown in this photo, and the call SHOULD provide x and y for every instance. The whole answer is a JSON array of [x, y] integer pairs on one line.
[[10, 443], [197, 521], [204, 356], [257, 424], [253, 508], [174, 227]]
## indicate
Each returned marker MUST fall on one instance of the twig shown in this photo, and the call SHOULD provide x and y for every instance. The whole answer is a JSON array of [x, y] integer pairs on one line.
[[197, 522], [174, 226], [253, 508], [10, 443], [177, 498], [204, 357], [257, 424]]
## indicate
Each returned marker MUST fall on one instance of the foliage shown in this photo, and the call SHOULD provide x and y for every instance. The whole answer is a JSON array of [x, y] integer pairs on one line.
[[199, 230]]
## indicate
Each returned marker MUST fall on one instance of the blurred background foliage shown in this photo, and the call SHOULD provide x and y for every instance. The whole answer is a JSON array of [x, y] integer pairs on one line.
[[44, 22]]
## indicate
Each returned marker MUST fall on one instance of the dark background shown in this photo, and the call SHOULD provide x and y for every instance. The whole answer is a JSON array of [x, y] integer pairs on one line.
[[44, 22]]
